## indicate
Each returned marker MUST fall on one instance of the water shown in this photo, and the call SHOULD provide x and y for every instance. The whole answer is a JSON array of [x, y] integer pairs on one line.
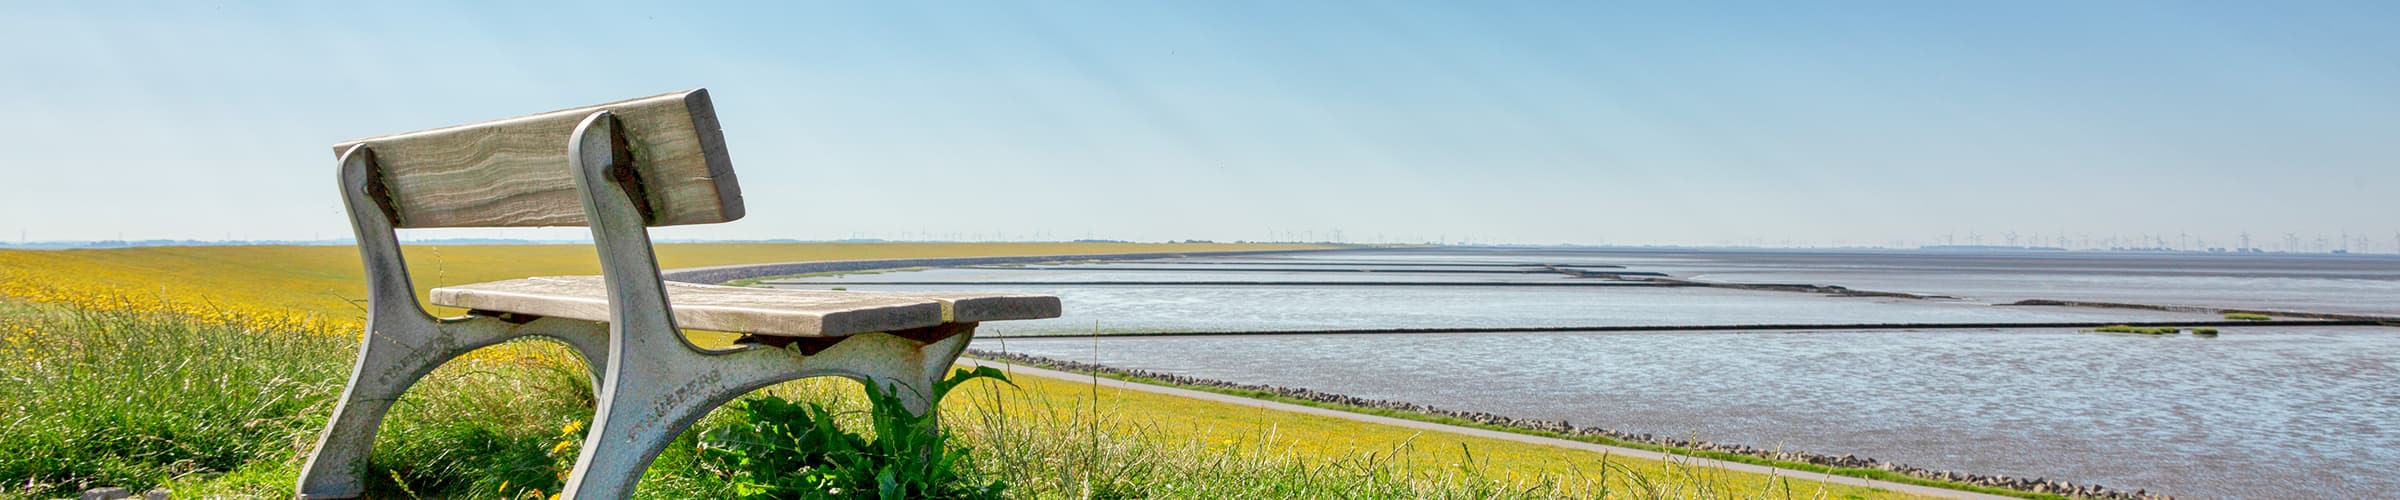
[[1116, 309], [2348, 284], [2257, 412], [1187, 273], [1198, 295]]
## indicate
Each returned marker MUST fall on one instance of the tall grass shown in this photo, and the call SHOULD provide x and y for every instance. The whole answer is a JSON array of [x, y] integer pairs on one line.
[[486, 425], [144, 399], [120, 398]]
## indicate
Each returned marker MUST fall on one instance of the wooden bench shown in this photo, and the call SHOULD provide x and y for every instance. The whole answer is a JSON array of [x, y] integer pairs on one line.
[[617, 168]]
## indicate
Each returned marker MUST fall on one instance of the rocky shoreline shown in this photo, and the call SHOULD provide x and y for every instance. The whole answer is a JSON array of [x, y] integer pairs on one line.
[[2034, 485]]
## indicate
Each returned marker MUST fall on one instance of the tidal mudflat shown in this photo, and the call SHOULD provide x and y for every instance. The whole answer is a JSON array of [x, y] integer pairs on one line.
[[2255, 411], [2266, 412], [2324, 283], [1188, 296]]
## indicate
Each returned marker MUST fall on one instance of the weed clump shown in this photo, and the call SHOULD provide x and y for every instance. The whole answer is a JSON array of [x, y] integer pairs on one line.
[[2247, 316], [2145, 330]]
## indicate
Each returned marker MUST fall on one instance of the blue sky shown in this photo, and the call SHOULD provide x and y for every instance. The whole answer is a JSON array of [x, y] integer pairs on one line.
[[1697, 123]]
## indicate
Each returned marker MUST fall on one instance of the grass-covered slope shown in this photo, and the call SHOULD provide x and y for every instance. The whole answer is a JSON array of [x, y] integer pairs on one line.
[[221, 393]]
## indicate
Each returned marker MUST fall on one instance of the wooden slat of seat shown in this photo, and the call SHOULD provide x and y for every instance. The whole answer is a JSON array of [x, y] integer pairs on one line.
[[962, 307], [794, 313]]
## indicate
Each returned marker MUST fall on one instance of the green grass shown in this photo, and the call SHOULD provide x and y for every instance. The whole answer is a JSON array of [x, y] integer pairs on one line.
[[1093, 457], [2146, 330], [2247, 316], [2204, 331], [143, 400], [99, 399], [1876, 474]]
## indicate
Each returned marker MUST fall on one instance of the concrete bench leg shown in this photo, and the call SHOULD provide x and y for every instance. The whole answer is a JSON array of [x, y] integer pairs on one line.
[[392, 356], [657, 383], [402, 343], [655, 389]]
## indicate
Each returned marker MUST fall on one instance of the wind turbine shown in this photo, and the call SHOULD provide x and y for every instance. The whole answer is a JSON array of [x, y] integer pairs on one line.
[[2291, 242], [2245, 241], [2011, 236]]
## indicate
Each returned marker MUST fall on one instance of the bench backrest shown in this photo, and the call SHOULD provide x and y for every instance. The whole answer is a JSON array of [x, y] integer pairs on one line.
[[514, 172]]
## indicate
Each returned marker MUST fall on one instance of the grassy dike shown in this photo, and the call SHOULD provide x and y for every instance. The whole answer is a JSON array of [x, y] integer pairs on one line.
[[1868, 473], [102, 394]]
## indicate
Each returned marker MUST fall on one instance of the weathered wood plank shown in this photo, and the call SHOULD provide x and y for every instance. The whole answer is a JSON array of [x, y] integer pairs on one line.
[[798, 313], [765, 311], [961, 307], [514, 172]]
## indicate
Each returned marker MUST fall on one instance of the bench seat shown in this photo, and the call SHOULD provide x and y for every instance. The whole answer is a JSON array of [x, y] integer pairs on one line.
[[619, 168], [758, 311]]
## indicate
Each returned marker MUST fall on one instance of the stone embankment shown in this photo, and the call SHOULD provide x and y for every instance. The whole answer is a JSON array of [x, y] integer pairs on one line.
[[2035, 485]]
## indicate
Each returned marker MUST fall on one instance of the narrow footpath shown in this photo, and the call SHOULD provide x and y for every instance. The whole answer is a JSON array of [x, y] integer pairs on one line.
[[1015, 369]]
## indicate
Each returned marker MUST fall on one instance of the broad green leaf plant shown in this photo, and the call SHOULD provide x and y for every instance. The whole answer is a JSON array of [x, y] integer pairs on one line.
[[777, 448]]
